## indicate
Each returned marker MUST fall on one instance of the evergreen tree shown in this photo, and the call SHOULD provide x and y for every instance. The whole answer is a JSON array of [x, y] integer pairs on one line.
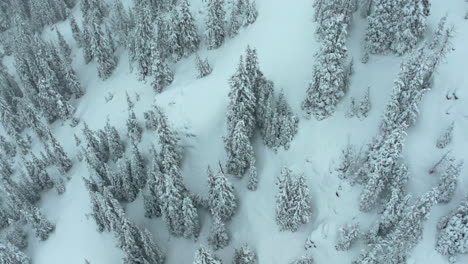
[[203, 66], [448, 181], [103, 51], [241, 101], [245, 255], [292, 201], [126, 180], [42, 227], [251, 13], [215, 32], [347, 235], [11, 254], [365, 7], [63, 45], [86, 38], [446, 137], [188, 36], [240, 151], [5, 166], [173, 33], [120, 23], [219, 237], [7, 147], [364, 106], [407, 232], [133, 128], [138, 167], [116, 146], [154, 189], [395, 26], [382, 158], [163, 75], [237, 17], [204, 256], [452, 236], [60, 156], [325, 89], [221, 195], [190, 221], [76, 31], [142, 40]]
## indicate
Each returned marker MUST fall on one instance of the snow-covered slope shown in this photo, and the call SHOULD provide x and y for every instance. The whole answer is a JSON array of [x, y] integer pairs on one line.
[[284, 37]]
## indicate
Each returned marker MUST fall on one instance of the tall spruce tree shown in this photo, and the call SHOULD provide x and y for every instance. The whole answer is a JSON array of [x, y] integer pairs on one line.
[[215, 24]]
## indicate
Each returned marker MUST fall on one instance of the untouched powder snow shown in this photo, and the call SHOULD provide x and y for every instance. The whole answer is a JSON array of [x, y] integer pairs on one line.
[[284, 37]]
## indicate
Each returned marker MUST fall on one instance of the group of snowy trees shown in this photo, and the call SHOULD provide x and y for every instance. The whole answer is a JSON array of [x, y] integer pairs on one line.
[[292, 201], [381, 168], [395, 26], [242, 255], [330, 75], [252, 104]]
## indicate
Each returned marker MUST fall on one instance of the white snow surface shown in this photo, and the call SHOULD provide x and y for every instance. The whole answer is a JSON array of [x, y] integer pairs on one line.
[[284, 37]]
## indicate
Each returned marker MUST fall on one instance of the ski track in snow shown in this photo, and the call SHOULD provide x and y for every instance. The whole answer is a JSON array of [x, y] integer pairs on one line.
[[284, 37]]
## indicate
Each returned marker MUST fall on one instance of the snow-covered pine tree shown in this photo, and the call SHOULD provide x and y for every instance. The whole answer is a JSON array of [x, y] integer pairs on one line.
[[188, 35], [8, 148], [204, 256], [448, 181], [163, 75], [452, 236], [86, 37], [143, 37], [138, 167], [173, 45], [153, 192], [116, 146], [120, 23], [347, 234], [60, 156], [446, 137], [38, 174], [103, 51], [134, 129], [304, 260], [10, 254], [6, 168], [221, 196], [325, 89], [382, 157], [129, 187], [411, 26], [395, 26], [219, 237], [76, 31], [245, 255], [286, 123], [292, 201], [215, 24], [203, 66], [242, 100], [63, 45], [239, 151], [191, 225], [364, 106], [394, 248], [42, 227], [237, 17], [251, 13], [70, 77]]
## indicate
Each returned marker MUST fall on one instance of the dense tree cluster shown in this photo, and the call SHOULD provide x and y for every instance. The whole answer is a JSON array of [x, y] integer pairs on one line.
[[396, 26], [292, 201], [330, 76]]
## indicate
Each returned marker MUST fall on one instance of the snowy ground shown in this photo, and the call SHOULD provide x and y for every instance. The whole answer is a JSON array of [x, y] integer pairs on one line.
[[285, 40]]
